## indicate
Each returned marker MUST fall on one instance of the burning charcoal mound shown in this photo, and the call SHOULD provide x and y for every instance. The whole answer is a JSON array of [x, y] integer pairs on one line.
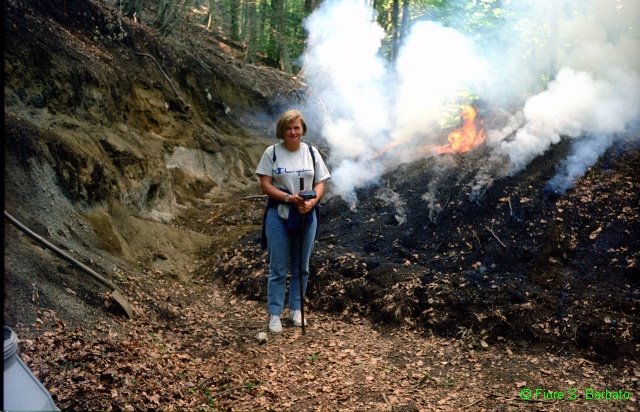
[[501, 262]]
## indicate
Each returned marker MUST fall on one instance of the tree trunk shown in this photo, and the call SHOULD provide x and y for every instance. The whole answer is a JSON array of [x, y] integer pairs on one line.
[[395, 34], [310, 6], [404, 23], [169, 14], [209, 18], [251, 33], [280, 38], [130, 8], [234, 12]]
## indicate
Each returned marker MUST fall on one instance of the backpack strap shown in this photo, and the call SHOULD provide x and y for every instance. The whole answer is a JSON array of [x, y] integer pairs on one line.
[[273, 158]]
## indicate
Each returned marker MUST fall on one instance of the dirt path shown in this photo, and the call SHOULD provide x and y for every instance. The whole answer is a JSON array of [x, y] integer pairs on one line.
[[192, 346]]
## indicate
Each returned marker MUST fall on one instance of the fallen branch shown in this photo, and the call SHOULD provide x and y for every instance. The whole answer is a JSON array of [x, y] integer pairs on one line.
[[165, 76], [510, 208], [477, 401], [495, 236], [250, 197], [330, 237], [235, 388], [448, 256]]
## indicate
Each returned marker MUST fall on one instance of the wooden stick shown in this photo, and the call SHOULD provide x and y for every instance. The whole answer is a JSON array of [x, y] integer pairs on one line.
[[476, 236], [448, 257], [510, 208], [466, 407], [163, 73], [235, 388], [250, 197], [495, 236]]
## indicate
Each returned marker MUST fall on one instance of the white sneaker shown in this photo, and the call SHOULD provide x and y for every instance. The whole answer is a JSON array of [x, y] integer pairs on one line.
[[275, 326], [296, 317]]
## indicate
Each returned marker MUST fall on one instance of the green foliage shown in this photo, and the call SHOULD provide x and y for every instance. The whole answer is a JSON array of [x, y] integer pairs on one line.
[[477, 18], [295, 29], [253, 24]]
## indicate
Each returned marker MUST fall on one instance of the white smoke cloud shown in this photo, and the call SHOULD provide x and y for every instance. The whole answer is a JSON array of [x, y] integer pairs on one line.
[[590, 51], [343, 67], [576, 105], [434, 64], [595, 97], [586, 152], [350, 174]]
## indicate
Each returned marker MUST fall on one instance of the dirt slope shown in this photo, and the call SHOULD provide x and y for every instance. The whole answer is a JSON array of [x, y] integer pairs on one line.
[[135, 155], [111, 134]]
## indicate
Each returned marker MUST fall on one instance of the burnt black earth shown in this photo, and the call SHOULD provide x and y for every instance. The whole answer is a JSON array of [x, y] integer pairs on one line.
[[437, 245]]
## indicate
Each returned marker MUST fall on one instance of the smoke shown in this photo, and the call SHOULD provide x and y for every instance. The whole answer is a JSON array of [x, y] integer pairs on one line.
[[343, 68], [391, 198], [594, 99], [576, 105], [434, 64], [376, 115], [585, 153]]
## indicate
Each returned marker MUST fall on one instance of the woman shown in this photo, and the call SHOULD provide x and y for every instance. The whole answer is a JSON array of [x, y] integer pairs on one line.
[[285, 169]]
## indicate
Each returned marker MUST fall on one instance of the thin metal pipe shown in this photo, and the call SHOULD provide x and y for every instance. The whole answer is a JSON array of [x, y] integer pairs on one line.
[[59, 251]]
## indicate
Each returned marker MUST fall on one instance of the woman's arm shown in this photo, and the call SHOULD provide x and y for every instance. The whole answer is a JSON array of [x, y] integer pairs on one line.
[[266, 184], [319, 188]]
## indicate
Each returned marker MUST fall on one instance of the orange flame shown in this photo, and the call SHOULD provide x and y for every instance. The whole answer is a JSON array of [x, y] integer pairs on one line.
[[466, 137]]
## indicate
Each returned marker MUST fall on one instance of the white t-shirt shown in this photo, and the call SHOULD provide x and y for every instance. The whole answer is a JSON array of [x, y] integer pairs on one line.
[[290, 167]]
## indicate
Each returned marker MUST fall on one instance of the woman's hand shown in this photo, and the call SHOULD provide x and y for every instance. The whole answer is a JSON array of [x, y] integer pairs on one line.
[[305, 206]]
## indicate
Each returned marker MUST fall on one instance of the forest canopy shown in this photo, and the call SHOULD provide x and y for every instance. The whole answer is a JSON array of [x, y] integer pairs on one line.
[[272, 31]]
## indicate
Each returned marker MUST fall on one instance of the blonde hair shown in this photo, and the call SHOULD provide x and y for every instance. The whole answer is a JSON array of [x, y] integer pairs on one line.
[[286, 118]]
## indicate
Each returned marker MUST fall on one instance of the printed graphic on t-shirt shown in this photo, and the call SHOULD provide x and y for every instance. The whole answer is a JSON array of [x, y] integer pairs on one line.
[[284, 170]]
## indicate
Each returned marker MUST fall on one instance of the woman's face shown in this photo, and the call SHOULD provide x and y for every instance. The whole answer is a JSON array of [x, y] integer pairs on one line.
[[293, 132]]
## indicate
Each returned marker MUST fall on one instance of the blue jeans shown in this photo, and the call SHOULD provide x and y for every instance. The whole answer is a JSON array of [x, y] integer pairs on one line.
[[284, 254]]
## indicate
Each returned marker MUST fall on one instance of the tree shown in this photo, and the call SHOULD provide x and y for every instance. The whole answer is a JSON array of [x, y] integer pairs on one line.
[[234, 13], [273, 29], [404, 24], [130, 8], [169, 14], [251, 31], [395, 35], [279, 37], [310, 6], [209, 18]]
